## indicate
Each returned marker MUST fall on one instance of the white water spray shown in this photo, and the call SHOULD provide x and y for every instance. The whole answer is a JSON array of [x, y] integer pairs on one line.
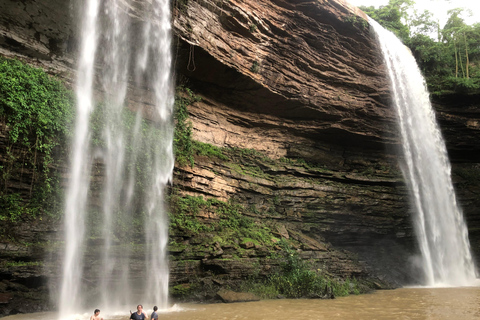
[[80, 167], [105, 239], [439, 224]]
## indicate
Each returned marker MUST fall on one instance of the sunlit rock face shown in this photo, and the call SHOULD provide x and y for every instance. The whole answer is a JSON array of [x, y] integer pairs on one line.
[[310, 69], [298, 79]]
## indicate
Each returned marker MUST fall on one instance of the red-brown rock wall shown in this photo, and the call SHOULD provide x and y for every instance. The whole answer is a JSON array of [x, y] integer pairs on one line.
[[290, 79], [310, 65]]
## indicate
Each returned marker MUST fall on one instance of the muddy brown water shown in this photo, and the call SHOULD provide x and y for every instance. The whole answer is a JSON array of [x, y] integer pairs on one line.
[[405, 303]]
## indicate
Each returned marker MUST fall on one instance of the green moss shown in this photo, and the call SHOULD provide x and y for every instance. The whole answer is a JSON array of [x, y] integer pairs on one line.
[[181, 290], [182, 140], [184, 147], [255, 68], [13, 264], [183, 214], [232, 223], [247, 240], [208, 150]]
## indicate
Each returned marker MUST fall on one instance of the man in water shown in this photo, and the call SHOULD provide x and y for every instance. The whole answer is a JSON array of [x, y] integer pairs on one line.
[[96, 315], [140, 314], [154, 315]]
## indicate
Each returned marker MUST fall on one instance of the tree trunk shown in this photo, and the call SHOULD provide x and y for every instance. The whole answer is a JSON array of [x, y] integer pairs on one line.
[[466, 53], [456, 59]]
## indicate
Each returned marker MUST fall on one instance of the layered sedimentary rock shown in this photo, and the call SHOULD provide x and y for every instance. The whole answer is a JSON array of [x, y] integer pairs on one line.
[[295, 69], [290, 79]]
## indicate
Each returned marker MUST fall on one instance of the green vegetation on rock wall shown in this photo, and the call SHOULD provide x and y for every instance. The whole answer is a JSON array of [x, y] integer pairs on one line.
[[243, 234], [231, 226], [36, 110], [233, 232]]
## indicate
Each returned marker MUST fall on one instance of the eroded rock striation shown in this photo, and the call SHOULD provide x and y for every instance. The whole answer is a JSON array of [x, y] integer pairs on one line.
[[310, 69]]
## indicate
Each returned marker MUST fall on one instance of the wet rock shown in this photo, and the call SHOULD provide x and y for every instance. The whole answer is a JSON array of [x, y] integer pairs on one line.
[[282, 231], [5, 297], [229, 296], [217, 250], [247, 245]]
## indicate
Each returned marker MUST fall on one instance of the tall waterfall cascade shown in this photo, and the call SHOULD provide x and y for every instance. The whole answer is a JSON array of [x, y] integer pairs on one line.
[[116, 227], [439, 224]]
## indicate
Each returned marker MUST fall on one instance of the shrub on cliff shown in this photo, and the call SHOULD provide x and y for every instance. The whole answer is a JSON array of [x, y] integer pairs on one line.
[[297, 279], [36, 111]]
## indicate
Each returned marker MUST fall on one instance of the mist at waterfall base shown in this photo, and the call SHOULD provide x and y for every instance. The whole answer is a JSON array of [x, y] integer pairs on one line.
[[440, 228], [115, 225]]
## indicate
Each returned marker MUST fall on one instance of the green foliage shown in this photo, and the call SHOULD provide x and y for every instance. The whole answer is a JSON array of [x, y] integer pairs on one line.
[[233, 223], [37, 106], [181, 290], [297, 279], [184, 147], [356, 21], [262, 289], [233, 219], [38, 111], [184, 211], [449, 57], [252, 28], [182, 140], [390, 16], [253, 171], [13, 264], [461, 85], [13, 208], [255, 68], [244, 152], [208, 150]]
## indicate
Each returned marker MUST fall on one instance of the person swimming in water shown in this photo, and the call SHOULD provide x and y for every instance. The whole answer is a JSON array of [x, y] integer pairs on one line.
[[140, 314], [154, 315], [96, 315]]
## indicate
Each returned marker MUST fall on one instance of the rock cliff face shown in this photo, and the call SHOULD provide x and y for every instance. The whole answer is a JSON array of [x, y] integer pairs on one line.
[[298, 79], [310, 69], [302, 84]]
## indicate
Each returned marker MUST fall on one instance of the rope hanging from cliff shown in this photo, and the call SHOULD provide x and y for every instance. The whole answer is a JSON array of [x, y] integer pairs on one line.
[[191, 59]]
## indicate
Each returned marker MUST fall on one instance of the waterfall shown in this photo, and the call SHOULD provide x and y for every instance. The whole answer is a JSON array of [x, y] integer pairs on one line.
[[116, 229], [439, 224]]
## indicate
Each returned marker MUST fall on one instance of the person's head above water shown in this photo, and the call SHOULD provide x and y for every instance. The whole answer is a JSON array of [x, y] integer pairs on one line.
[[96, 312]]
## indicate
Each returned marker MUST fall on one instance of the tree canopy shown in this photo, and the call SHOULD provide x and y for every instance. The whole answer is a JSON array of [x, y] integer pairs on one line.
[[448, 56]]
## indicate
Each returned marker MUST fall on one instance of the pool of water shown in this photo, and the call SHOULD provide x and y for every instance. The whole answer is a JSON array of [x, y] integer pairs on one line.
[[407, 303]]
